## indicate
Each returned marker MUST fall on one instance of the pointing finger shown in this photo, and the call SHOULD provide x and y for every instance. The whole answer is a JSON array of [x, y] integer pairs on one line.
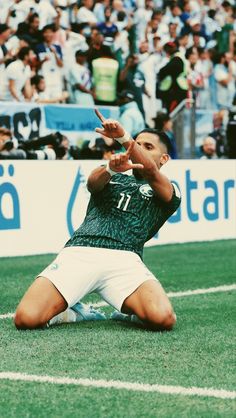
[[100, 116]]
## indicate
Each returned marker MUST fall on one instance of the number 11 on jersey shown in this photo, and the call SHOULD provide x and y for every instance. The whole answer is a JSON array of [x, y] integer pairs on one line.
[[124, 200]]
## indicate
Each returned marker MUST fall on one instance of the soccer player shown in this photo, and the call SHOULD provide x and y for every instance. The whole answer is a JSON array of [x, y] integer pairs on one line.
[[105, 253]]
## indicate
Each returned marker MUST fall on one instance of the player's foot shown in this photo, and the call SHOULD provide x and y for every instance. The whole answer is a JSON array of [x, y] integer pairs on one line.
[[119, 316], [87, 313], [77, 313]]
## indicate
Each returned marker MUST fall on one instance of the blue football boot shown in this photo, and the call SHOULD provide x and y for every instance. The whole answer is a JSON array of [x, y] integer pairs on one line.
[[87, 313]]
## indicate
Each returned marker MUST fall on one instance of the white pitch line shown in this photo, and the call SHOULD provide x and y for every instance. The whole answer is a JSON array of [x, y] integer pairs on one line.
[[7, 315], [224, 288], [117, 384]]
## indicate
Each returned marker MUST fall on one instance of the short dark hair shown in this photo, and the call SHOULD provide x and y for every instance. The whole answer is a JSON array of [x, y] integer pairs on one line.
[[190, 51], [173, 4], [35, 80], [3, 28], [25, 50], [81, 52], [106, 51], [170, 48], [32, 17], [48, 27], [160, 119], [121, 15], [164, 139], [156, 12]]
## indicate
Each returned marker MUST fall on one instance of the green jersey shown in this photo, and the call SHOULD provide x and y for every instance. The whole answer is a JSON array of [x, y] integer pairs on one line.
[[124, 215]]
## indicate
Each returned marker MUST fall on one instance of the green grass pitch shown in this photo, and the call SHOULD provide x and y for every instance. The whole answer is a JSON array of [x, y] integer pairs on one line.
[[199, 352]]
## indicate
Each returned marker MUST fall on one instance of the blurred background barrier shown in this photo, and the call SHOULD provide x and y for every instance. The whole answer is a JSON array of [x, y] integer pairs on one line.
[[31, 120], [191, 126], [43, 202]]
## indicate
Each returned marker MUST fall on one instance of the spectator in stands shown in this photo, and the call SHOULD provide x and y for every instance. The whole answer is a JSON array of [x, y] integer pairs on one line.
[[5, 54], [219, 133], [99, 9], [50, 63], [197, 40], [194, 75], [60, 34], [225, 85], [105, 73], [152, 30], [80, 79], [174, 16], [204, 66], [85, 13], [142, 17], [29, 30], [162, 28], [148, 65], [172, 78], [172, 33], [122, 40], [95, 47], [225, 32], [63, 8], [39, 94], [208, 149], [183, 42], [163, 122], [18, 12], [132, 78], [197, 35], [130, 116], [107, 28], [47, 13], [74, 41], [17, 82], [187, 13]]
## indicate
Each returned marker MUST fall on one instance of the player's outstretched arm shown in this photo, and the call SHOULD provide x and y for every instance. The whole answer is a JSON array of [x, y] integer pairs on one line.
[[159, 182], [119, 163]]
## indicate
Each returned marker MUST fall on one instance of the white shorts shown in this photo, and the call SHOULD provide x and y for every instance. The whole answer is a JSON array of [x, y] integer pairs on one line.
[[113, 274]]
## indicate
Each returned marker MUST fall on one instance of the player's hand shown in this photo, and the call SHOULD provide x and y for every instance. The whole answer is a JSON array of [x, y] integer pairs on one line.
[[121, 162], [111, 128]]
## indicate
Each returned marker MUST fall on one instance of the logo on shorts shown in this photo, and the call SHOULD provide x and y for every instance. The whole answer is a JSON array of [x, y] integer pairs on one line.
[[53, 266], [146, 190]]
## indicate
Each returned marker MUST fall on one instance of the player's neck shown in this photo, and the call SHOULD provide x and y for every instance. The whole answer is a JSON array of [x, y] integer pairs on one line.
[[137, 175]]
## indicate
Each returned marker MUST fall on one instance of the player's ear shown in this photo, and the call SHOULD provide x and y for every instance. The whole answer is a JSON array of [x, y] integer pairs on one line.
[[164, 159]]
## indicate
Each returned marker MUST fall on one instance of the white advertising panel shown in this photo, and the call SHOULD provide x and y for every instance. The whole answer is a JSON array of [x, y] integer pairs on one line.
[[43, 202]]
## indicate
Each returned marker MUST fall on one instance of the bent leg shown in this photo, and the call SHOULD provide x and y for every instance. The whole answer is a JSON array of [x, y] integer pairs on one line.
[[41, 302], [151, 305]]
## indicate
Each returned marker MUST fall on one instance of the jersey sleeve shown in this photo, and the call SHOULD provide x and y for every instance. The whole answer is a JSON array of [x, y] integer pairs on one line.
[[171, 206]]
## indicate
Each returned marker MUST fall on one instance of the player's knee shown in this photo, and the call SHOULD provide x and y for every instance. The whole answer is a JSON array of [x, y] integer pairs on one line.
[[28, 319], [160, 319]]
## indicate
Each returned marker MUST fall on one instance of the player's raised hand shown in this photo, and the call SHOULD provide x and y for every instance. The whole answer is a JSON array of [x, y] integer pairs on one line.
[[111, 128], [121, 162]]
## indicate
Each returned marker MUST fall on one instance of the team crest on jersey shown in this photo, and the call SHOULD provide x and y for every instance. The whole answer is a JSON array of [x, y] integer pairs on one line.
[[146, 190]]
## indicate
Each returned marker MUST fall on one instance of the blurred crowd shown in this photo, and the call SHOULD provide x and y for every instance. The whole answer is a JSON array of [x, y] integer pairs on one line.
[[143, 56]]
